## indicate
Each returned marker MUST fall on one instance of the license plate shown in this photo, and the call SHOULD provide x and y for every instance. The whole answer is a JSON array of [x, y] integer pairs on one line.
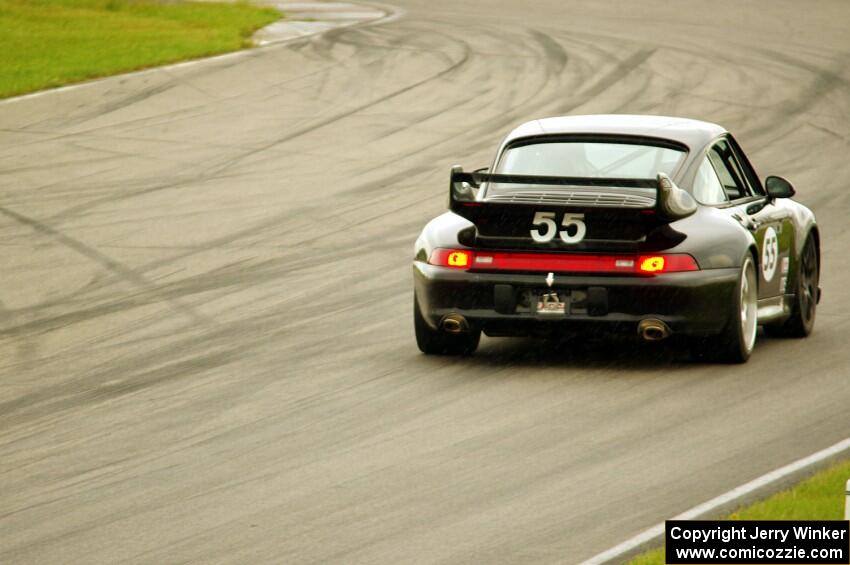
[[550, 304]]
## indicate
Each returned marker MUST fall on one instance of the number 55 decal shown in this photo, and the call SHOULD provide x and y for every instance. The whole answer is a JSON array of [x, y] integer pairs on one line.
[[546, 227]]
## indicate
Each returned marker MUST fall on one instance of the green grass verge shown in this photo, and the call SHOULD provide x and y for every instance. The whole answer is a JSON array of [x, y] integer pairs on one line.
[[820, 497], [48, 43]]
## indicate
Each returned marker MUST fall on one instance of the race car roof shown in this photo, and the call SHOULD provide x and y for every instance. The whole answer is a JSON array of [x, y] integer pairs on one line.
[[692, 133]]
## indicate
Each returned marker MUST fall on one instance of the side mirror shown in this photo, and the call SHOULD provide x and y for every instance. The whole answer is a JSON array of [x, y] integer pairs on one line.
[[778, 187]]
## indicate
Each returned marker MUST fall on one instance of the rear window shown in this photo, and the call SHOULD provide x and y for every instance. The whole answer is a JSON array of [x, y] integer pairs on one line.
[[592, 159]]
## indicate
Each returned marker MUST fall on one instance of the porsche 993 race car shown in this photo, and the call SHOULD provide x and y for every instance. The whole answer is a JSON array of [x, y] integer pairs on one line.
[[642, 225]]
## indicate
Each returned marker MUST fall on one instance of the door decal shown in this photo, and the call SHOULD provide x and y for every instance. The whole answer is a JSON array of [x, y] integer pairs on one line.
[[769, 254]]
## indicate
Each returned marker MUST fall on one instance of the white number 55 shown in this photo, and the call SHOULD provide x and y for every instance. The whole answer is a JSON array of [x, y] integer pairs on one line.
[[547, 220]]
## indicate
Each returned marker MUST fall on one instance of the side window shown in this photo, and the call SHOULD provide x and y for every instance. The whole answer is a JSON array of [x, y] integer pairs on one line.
[[747, 168], [728, 171], [707, 187]]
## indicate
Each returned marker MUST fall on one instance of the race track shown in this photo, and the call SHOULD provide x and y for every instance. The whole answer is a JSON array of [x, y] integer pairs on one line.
[[206, 341]]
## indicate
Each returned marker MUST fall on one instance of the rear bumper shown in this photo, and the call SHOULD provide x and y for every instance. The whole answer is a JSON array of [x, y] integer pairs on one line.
[[691, 303]]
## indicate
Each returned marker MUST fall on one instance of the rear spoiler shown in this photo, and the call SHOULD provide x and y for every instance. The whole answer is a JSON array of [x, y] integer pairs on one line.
[[671, 202]]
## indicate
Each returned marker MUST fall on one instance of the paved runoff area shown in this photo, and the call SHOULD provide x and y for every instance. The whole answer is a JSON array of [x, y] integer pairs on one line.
[[206, 337], [309, 18]]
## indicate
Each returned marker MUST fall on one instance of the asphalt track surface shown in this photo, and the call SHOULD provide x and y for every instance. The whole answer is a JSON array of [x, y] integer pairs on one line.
[[206, 345]]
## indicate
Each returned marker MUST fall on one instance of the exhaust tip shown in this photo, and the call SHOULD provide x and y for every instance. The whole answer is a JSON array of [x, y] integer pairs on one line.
[[454, 324], [651, 329]]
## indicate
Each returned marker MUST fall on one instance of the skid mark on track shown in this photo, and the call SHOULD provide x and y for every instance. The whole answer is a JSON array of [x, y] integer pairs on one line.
[[112, 106], [341, 115], [554, 53], [122, 271], [620, 71], [215, 171], [193, 354]]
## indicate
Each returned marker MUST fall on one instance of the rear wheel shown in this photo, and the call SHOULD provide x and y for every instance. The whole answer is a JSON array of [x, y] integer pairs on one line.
[[736, 342], [438, 342], [804, 307]]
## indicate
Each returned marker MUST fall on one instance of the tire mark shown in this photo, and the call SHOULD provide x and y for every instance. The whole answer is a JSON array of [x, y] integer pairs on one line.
[[108, 263], [214, 172], [342, 115], [554, 54]]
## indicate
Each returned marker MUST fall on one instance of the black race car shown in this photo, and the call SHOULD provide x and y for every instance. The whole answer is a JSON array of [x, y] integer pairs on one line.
[[644, 225]]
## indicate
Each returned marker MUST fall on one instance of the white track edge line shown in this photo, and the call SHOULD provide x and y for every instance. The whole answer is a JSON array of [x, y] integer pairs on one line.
[[657, 530]]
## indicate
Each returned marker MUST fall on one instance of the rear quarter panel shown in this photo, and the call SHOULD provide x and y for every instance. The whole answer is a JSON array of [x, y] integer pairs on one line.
[[714, 239], [442, 231]]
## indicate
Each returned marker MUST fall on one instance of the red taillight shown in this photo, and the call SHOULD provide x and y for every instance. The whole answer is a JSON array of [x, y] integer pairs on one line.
[[562, 262], [654, 264], [455, 258], [673, 263]]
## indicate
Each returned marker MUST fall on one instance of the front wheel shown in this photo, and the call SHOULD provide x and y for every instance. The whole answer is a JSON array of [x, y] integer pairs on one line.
[[736, 342], [437, 342], [802, 319]]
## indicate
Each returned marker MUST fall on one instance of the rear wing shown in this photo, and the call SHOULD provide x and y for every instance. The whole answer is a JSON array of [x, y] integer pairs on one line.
[[669, 201]]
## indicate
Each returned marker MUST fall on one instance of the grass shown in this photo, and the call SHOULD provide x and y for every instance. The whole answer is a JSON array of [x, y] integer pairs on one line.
[[820, 497], [49, 43]]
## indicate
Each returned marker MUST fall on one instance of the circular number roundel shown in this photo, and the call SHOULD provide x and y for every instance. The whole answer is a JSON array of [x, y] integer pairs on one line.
[[769, 254]]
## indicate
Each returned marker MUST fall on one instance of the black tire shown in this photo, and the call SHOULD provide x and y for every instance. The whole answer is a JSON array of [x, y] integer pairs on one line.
[[436, 342], [735, 343], [804, 307]]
